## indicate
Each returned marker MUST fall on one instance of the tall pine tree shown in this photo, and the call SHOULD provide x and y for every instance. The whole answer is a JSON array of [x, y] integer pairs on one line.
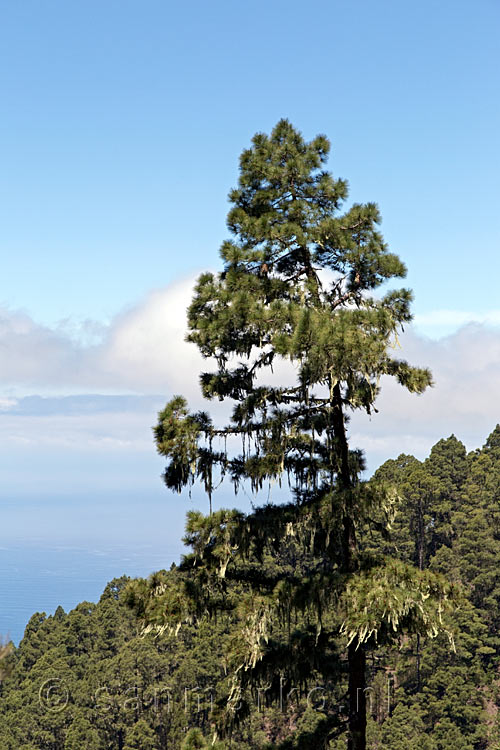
[[297, 285]]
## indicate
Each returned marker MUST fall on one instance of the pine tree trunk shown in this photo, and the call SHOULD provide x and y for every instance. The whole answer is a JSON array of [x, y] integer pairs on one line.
[[356, 656], [420, 567], [357, 698], [419, 682]]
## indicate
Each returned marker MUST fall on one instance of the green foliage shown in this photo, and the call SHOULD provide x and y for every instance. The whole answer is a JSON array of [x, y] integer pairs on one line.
[[393, 597], [194, 741], [139, 692], [297, 286], [81, 735], [141, 737], [272, 300]]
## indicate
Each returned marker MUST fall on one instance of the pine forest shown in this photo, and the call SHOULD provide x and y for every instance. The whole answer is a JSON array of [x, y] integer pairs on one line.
[[351, 611]]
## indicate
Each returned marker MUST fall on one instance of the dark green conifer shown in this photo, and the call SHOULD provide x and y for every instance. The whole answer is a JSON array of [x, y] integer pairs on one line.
[[81, 735], [141, 737], [298, 285]]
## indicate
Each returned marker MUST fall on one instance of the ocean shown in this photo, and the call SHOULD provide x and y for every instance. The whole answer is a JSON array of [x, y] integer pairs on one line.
[[36, 578], [64, 550]]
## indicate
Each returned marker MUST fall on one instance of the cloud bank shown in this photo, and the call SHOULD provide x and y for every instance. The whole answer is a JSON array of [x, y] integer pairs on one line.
[[143, 352], [464, 400]]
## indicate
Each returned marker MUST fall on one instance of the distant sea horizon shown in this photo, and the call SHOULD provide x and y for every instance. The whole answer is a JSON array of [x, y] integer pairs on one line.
[[39, 578], [62, 550]]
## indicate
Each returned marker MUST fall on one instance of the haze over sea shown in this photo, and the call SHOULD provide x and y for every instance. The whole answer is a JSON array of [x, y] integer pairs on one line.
[[82, 501], [63, 548], [39, 574]]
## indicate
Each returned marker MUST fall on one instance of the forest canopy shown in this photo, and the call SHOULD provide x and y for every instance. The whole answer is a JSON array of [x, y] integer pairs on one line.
[[121, 689]]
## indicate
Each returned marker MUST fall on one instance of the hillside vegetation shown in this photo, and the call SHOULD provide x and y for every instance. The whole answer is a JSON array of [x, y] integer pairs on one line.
[[91, 679]]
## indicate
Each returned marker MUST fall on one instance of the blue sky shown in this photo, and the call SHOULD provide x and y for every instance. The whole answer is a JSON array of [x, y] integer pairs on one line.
[[122, 123], [120, 130]]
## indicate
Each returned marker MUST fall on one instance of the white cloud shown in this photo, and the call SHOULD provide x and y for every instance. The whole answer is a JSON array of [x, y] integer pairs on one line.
[[463, 400], [32, 354], [7, 403], [143, 351]]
